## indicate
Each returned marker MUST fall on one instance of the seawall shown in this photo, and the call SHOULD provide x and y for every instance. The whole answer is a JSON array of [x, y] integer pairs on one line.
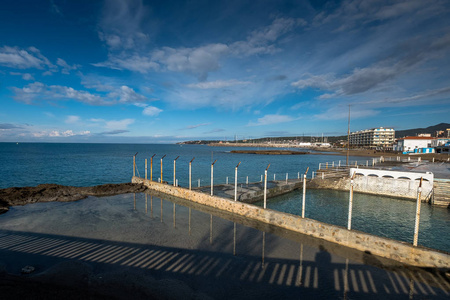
[[383, 247]]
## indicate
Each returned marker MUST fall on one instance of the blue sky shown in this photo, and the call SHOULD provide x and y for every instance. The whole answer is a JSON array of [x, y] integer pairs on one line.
[[169, 71]]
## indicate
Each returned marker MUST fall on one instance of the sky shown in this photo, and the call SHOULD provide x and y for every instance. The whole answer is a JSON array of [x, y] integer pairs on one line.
[[131, 71]]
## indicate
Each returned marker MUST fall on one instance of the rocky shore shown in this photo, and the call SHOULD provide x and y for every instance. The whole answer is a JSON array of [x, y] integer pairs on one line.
[[54, 192]]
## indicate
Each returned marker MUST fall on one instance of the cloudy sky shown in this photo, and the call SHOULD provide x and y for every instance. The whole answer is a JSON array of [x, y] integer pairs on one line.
[[168, 71]]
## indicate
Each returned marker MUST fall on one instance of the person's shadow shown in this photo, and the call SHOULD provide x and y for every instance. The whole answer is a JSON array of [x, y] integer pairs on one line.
[[325, 270]]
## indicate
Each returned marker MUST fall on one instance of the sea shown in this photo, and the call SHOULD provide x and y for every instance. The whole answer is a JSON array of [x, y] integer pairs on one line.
[[30, 164]]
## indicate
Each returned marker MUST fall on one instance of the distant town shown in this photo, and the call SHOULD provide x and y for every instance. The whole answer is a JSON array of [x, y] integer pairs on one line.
[[433, 139]]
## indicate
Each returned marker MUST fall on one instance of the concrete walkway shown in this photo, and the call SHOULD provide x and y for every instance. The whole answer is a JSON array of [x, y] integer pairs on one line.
[[252, 192]]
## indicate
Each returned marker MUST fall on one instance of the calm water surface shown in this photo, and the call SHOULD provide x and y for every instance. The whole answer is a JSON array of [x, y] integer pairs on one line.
[[30, 164], [381, 216]]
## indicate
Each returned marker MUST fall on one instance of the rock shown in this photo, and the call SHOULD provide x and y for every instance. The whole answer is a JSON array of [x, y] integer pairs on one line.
[[27, 270]]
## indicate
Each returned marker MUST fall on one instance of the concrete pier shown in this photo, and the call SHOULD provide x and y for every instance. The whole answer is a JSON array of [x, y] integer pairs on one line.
[[400, 251]]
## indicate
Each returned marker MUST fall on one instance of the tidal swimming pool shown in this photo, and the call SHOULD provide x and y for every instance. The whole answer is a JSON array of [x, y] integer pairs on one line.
[[218, 255]]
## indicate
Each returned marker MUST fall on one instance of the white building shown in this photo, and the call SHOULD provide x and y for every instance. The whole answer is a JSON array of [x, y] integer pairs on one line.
[[373, 138], [409, 143], [439, 142]]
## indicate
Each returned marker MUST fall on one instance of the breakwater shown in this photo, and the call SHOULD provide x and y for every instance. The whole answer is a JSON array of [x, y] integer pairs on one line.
[[383, 247]]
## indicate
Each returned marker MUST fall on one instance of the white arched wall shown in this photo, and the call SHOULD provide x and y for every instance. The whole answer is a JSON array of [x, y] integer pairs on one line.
[[392, 183]]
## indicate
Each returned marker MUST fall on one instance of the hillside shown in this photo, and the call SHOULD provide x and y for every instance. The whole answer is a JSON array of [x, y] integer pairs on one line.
[[416, 131]]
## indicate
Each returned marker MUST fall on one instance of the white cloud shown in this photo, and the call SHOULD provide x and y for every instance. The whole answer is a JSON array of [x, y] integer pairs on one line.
[[199, 61], [14, 57], [96, 120], [37, 91], [66, 68], [151, 111], [121, 24], [72, 119], [118, 124], [58, 133], [271, 119], [135, 63], [197, 125], [354, 13], [217, 84], [27, 76], [128, 95], [341, 113], [262, 41]]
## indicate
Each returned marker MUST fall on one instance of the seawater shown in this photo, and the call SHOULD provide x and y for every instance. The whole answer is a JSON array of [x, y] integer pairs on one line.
[[30, 164], [382, 216]]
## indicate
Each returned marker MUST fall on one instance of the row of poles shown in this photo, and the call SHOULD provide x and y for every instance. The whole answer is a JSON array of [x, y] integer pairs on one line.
[[212, 177], [350, 206]]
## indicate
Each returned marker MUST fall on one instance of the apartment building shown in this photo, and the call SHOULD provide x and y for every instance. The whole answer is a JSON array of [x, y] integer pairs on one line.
[[373, 138]]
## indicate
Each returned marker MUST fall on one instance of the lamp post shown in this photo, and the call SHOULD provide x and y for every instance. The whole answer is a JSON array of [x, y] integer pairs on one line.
[[416, 225], [235, 181], [212, 176], [190, 173], [174, 170], [350, 203], [304, 193], [265, 186], [151, 167], [134, 164], [162, 168]]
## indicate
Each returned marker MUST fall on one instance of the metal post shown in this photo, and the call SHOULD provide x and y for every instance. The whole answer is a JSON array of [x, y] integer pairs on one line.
[[265, 186], [350, 204], [332, 164], [212, 176], [304, 193], [162, 168], [339, 163], [416, 225], [151, 167], [145, 169], [235, 181], [319, 165], [226, 180], [190, 173], [273, 177], [287, 177], [134, 164], [298, 175], [174, 170], [246, 181], [199, 182]]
